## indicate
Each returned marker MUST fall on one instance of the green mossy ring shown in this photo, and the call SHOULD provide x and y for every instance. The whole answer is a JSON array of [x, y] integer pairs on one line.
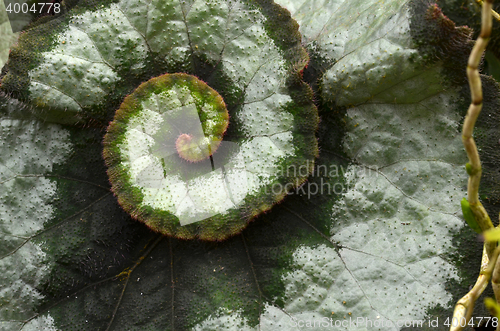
[[172, 95], [168, 163]]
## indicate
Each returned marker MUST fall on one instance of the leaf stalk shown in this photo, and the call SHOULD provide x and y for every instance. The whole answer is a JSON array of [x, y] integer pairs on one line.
[[473, 112], [465, 306], [489, 269]]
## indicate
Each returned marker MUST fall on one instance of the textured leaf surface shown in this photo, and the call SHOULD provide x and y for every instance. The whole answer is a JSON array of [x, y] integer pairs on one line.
[[370, 235], [402, 118], [7, 37], [97, 55], [29, 150]]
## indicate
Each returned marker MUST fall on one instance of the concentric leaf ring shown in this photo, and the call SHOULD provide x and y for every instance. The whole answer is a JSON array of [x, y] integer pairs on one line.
[[81, 66]]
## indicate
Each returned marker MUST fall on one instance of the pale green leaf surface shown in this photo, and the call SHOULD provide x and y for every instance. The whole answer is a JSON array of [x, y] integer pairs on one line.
[[96, 49], [391, 230], [396, 220], [30, 150], [375, 243], [82, 68], [88, 237], [339, 27], [7, 37]]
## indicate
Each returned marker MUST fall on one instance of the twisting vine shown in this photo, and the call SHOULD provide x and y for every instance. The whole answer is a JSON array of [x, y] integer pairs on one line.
[[474, 166], [473, 210], [494, 13]]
